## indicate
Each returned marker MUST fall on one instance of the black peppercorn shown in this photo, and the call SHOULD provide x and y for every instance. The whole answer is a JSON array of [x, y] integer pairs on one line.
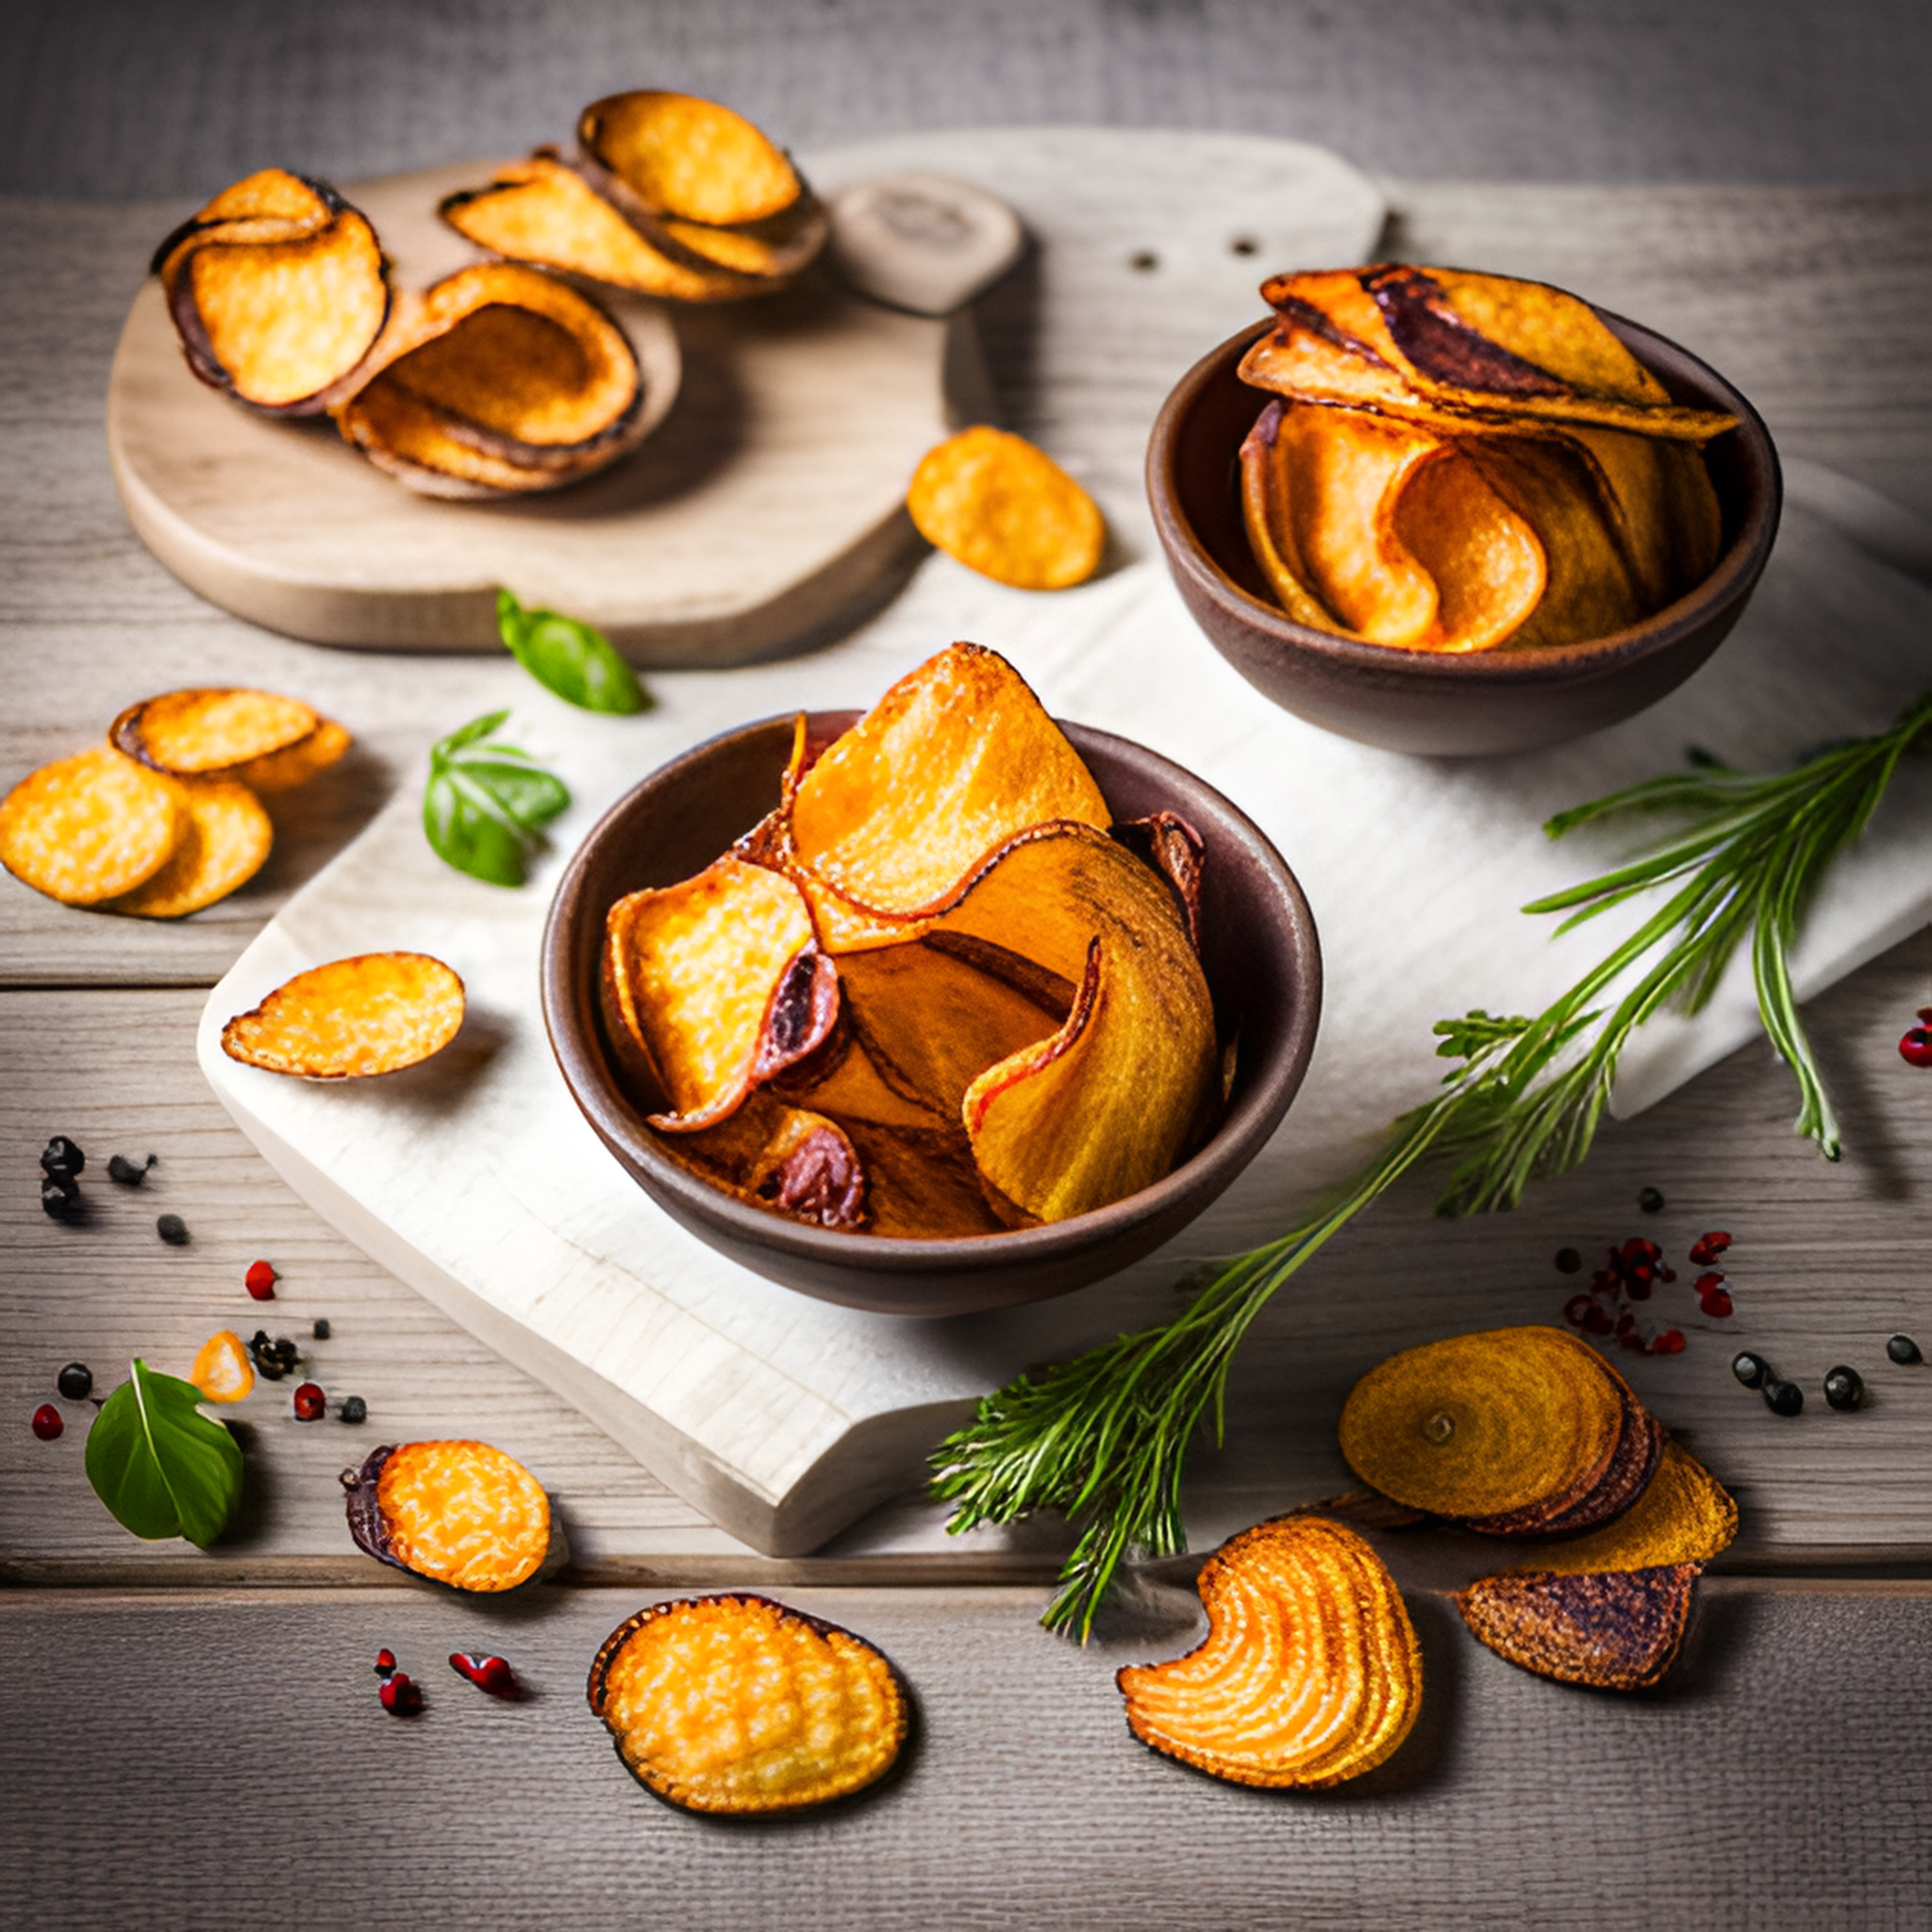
[[60, 1197], [321, 1330], [355, 1410], [172, 1230], [1783, 1398], [130, 1173], [1750, 1369], [275, 1358], [76, 1381], [1844, 1386], [61, 1158], [1651, 1201], [1568, 1261], [1904, 1350]]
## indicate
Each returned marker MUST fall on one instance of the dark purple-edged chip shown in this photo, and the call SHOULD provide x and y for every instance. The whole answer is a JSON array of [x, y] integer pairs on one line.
[[1639, 1449], [1610, 1630], [365, 1513]]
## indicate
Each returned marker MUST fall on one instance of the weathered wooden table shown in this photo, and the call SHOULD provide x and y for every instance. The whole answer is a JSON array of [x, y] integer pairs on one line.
[[191, 1739]]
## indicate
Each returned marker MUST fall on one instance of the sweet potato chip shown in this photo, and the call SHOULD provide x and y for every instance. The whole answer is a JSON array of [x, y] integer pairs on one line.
[[1619, 1630], [683, 155], [1484, 1423], [543, 212], [460, 1513], [737, 1705], [278, 289], [374, 1013], [1683, 1515], [295, 764], [1310, 1673], [90, 827], [222, 1370], [225, 840], [199, 733], [999, 506], [720, 983]]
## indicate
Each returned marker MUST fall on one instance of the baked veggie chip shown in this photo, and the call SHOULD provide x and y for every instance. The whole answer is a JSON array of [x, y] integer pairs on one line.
[[295, 764], [720, 983], [1482, 1425], [769, 252], [1310, 1673], [999, 506], [1682, 1515], [90, 827], [225, 837], [1615, 1630], [1633, 1463], [786, 1159], [459, 1513], [200, 733], [278, 289], [222, 1370], [679, 155], [738, 1707], [500, 378], [374, 1013]]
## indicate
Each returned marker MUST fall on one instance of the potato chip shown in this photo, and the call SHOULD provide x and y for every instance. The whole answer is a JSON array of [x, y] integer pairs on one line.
[[90, 827], [738, 1706], [222, 1370], [225, 840], [295, 764], [374, 1013], [996, 504], [196, 733], [683, 155], [770, 251], [461, 1513]]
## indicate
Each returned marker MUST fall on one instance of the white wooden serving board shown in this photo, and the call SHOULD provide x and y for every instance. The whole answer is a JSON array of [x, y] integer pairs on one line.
[[474, 1177]]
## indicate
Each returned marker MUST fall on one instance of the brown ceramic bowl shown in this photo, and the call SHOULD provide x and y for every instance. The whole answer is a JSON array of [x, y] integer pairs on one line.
[[1257, 944], [1424, 701]]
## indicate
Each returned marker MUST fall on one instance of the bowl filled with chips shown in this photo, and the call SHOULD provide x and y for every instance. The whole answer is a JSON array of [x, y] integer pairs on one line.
[[1457, 513], [940, 1009]]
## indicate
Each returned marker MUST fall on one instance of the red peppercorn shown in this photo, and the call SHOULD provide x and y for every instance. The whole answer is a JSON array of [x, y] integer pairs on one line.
[[260, 1281], [1707, 1247], [400, 1696], [48, 1422], [384, 1662], [1915, 1049], [1925, 1015], [1670, 1343], [491, 1673], [310, 1403]]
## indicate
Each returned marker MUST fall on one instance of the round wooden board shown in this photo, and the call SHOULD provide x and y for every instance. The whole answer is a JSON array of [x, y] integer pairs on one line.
[[765, 507]]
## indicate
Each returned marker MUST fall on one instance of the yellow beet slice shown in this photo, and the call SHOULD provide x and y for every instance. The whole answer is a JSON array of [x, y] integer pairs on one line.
[[1310, 1673], [225, 840], [1683, 1515], [682, 155], [1007, 510], [740, 1706], [222, 1370], [1484, 1423], [90, 827], [374, 1013], [295, 764], [459, 1512], [1617, 1630], [198, 733]]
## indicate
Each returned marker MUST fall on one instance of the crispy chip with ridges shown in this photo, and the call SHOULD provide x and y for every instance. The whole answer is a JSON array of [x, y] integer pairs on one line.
[[463, 1513], [203, 733], [740, 1706], [682, 155], [1310, 1675], [90, 827], [225, 840], [999, 506], [374, 1013]]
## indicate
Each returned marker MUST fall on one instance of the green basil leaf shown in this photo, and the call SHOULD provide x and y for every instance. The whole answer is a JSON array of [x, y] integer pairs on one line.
[[468, 733], [523, 792], [485, 801], [161, 1467], [573, 660]]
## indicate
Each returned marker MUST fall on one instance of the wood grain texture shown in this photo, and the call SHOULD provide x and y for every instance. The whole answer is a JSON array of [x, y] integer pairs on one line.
[[1759, 1788]]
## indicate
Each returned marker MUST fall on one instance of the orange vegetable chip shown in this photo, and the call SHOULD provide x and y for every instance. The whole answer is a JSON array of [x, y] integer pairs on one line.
[[196, 733], [789, 1159], [461, 1513], [1641, 1443], [374, 1013], [1682, 1515], [1618, 1630], [770, 252], [90, 827], [224, 840], [996, 504], [222, 1370], [738, 1706], [720, 983], [1310, 1673], [295, 764], [683, 155]]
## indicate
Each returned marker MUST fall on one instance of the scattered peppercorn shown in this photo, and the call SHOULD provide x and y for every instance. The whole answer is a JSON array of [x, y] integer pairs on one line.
[[384, 1662], [1750, 1369], [130, 1173], [1844, 1386], [172, 1230], [260, 1281], [1915, 1049], [321, 1329], [1568, 1260], [76, 1381], [276, 1358], [60, 1197], [1783, 1398], [355, 1410], [400, 1696], [1670, 1343], [1651, 1201], [1707, 1247], [1904, 1350], [1713, 1297], [48, 1422], [491, 1673], [311, 1404], [61, 1158]]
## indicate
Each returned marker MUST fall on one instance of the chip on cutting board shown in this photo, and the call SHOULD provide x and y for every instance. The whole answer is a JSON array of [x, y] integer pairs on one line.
[[225, 837], [87, 828], [458, 1512], [740, 1706], [374, 1013], [996, 504], [198, 733]]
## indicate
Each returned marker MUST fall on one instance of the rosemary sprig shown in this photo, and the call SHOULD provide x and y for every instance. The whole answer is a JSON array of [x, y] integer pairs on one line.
[[1104, 1437]]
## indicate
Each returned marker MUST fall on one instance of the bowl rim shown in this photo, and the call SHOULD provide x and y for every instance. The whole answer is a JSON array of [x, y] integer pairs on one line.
[[1737, 568], [1244, 1127]]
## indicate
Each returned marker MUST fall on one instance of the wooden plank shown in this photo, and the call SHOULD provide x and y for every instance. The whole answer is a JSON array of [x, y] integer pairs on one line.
[[228, 1747]]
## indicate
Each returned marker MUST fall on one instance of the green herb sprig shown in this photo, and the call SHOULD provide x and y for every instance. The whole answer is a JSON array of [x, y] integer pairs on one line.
[[573, 659], [1104, 1438], [161, 1467], [486, 803]]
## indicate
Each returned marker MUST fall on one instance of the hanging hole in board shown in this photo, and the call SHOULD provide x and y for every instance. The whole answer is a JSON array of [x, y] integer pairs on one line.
[[1145, 260], [1244, 245]]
